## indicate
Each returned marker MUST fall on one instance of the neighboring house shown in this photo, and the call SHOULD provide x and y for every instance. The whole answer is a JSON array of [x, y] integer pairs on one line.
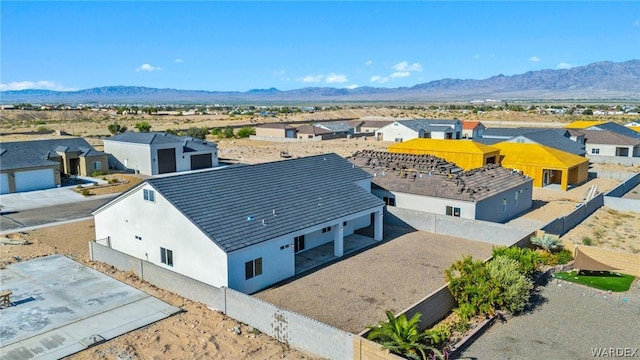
[[156, 153], [41, 164], [583, 124], [275, 131], [605, 126], [472, 129], [560, 139], [337, 127], [403, 130], [356, 125], [546, 165], [490, 193], [465, 153], [371, 126], [633, 124], [311, 132], [243, 227], [608, 143]]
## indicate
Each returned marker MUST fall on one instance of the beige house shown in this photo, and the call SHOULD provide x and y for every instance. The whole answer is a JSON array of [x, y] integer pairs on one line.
[[41, 164], [276, 131], [311, 132]]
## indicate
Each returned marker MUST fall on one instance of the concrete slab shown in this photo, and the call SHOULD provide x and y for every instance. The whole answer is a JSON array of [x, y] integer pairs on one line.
[[43, 198], [60, 307]]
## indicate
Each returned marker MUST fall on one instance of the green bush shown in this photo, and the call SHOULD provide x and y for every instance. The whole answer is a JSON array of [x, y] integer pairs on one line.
[[548, 258], [198, 133], [547, 242], [587, 241], [86, 192], [464, 311], [470, 283], [227, 133], [528, 259], [438, 334], [246, 131], [97, 173], [564, 256], [514, 287]]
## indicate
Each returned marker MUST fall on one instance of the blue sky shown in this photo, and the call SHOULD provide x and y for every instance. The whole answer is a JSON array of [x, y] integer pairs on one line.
[[238, 46]]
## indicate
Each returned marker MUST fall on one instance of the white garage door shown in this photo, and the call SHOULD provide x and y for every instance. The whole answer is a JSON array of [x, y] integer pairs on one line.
[[4, 183], [34, 180]]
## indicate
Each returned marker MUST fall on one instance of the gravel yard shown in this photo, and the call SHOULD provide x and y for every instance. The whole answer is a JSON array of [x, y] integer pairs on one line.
[[355, 292], [568, 323]]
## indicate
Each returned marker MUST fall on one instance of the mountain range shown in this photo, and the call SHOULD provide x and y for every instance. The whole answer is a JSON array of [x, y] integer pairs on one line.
[[597, 81]]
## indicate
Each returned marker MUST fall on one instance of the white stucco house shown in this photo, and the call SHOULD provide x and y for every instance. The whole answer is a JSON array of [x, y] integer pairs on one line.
[[609, 143], [490, 193], [403, 130], [242, 226], [156, 153]]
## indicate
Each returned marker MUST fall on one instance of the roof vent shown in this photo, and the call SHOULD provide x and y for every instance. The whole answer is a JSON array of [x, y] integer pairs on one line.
[[274, 211], [264, 222]]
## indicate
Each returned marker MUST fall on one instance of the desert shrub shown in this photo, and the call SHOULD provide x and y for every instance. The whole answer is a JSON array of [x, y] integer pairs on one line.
[[587, 241], [548, 258], [171, 131], [86, 192], [113, 181], [528, 259], [143, 126], [514, 287], [216, 132], [464, 311], [246, 131], [438, 334], [564, 256], [470, 283], [97, 173], [547, 242], [116, 128], [227, 133], [44, 129], [401, 336], [198, 133]]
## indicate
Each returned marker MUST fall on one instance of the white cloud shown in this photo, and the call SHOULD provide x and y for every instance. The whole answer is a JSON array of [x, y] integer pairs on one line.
[[379, 79], [400, 74], [312, 79], [369, 62], [564, 65], [534, 59], [335, 78], [405, 66], [178, 61], [42, 84], [148, 67], [352, 86]]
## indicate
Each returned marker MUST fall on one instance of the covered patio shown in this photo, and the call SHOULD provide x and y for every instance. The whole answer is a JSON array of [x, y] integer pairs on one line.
[[323, 254]]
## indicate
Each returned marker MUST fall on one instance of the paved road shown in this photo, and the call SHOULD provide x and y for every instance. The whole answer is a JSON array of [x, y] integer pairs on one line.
[[13, 221]]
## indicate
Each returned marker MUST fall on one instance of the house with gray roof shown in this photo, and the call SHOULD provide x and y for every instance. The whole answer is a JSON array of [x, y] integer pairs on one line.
[[560, 139], [42, 164], [403, 130], [311, 132], [244, 227], [337, 127], [156, 153], [423, 183], [609, 143]]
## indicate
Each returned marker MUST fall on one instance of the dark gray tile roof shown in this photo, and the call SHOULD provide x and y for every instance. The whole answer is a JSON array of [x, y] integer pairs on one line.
[[415, 124], [443, 128], [473, 185], [303, 192], [608, 138], [312, 130], [336, 126], [29, 154], [617, 128], [555, 138], [156, 138]]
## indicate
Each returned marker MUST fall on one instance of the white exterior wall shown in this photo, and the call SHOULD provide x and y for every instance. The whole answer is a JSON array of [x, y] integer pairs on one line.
[[428, 204], [194, 254], [131, 156], [397, 130], [605, 150], [279, 264], [492, 209]]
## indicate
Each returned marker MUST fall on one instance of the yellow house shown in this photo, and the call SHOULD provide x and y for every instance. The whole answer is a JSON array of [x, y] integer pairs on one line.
[[583, 124], [464, 153], [634, 128], [544, 164]]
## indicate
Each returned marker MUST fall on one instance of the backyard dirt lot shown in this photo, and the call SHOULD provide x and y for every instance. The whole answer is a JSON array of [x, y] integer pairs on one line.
[[196, 333], [355, 292]]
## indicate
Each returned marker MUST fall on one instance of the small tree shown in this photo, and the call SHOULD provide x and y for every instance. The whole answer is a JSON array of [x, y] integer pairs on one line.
[[116, 128], [246, 131], [515, 288], [198, 133], [401, 336], [227, 133], [143, 126]]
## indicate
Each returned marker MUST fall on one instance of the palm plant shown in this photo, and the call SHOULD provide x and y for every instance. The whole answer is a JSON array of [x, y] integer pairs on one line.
[[547, 242], [401, 336]]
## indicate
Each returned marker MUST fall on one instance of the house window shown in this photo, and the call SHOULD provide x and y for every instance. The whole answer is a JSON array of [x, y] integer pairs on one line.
[[166, 256], [453, 211], [595, 151], [149, 195], [344, 223], [326, 230], [516, 198], [138, 237], [253, 268], [504, 205], [389, 201], [298, 242], [97, 165]]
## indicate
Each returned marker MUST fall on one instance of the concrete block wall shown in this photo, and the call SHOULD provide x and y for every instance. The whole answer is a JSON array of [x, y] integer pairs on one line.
[[625, 186], [621, 204], [484, 231], [435, 307], [119, 260], [619, 160], [288, 327], [562, 225]]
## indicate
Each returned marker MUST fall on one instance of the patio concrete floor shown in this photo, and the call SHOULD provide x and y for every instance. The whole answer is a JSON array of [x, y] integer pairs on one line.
[[59, 307], [323, 254]]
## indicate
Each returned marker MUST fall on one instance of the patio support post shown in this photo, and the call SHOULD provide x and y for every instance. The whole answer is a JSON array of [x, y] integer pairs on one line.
[[377, 225], [338, 239]]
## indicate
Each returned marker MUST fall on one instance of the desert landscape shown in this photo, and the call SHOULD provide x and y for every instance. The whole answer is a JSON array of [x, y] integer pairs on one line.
[[199, 332]]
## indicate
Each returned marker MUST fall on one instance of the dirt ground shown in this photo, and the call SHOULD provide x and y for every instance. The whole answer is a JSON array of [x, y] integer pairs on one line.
[[196, 333], [609, 229], [355, 292]]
